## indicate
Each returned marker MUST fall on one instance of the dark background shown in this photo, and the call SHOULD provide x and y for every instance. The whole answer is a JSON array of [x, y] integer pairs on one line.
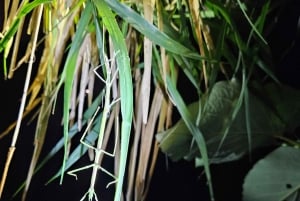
[[180, 181]]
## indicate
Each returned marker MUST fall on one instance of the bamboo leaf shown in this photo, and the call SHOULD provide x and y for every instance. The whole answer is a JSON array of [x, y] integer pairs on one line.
[[69, 70], [81, 149], [194, 130], [126, 88], [150, 31]]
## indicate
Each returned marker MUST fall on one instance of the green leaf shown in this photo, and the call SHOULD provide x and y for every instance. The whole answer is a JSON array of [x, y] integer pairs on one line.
[[193, 130], [68, 74], [150, 31], [250, 22], [23, 11], [81, 149], [126, 88], [216, 118], [274, 178]]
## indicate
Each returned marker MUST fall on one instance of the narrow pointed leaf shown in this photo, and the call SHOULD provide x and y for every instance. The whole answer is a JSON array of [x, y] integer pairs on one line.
[[126, 88], [150, 31], [193, 129], [69, 73]]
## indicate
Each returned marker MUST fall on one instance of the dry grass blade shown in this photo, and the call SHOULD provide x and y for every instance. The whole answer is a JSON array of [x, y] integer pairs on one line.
[[164, 70], [45, 77], [146, 81], [10, 9], [146, 144], [134, 152], [84, 80], [80, 81], [143, 145], [40, 134], [164, 122], [196, 18], [13, 67], [22, 106], [8, 18], [142, 110]]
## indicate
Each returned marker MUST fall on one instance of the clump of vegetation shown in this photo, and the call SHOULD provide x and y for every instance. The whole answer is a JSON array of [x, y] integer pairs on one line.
[[121, 67]]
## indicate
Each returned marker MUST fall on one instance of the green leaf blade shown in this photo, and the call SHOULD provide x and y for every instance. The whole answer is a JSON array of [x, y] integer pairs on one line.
[[150, 31], [126, 88], [69, 70]]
